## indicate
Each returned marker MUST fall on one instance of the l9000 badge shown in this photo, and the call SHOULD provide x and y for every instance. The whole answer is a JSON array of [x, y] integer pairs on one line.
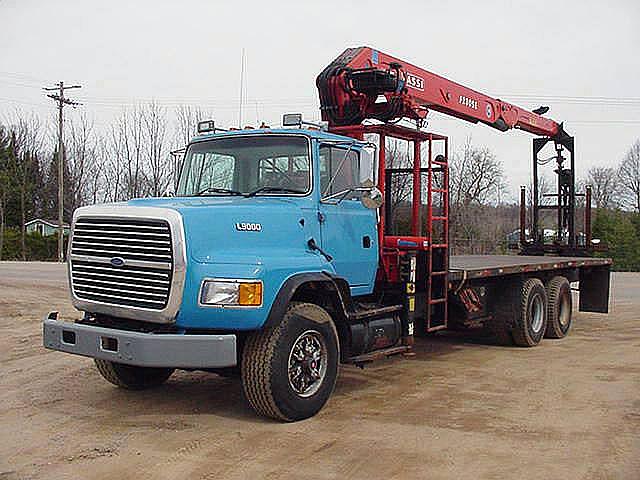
[[248, 227]]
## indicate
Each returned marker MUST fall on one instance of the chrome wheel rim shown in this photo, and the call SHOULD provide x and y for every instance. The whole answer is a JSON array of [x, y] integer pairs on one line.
[[564, 316], [307, 365], [536, 313]]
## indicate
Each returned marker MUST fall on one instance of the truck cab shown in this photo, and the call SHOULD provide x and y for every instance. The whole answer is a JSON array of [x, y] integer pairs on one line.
[[264, 206]]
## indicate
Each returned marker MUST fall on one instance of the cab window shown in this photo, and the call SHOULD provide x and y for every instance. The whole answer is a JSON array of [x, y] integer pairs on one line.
[[284, 171], [339, 170]]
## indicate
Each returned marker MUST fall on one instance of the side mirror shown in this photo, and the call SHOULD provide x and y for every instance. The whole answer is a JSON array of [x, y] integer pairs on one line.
[[372, 198]]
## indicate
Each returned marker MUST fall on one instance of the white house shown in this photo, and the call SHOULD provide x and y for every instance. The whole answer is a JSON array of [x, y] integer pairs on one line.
[[45, 227]]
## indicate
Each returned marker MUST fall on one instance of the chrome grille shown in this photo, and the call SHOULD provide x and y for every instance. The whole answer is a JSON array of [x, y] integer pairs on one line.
[[144, 246]]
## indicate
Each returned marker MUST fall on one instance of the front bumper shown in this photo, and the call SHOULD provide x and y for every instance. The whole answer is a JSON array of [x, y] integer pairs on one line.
[[137, 348]]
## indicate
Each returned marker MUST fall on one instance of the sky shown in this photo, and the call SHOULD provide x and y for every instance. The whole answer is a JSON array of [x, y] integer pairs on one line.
[[581, 58]]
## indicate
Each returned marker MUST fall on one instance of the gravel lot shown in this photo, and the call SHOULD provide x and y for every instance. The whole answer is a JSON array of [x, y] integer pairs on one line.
[[568, 409]]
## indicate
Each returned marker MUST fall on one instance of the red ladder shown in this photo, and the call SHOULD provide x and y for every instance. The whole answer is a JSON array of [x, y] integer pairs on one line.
[[438, 237]]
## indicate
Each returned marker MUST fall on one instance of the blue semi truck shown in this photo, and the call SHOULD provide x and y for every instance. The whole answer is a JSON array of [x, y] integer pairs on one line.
[[281, 257]]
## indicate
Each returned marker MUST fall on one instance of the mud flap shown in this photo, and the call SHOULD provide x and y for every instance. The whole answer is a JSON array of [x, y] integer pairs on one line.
[[594, 289]]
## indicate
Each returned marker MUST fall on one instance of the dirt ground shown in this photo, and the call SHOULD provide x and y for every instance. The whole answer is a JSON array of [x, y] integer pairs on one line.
[[568, 409]]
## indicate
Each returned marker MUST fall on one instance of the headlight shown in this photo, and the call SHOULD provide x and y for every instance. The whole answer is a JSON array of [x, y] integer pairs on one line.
[[231, 292]]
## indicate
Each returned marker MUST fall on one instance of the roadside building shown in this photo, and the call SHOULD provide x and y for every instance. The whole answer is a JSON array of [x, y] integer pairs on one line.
[[45, 227]]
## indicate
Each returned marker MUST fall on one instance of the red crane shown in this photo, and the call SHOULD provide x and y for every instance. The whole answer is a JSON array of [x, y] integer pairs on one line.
[[352, 86], [363, 83], [366, 84]]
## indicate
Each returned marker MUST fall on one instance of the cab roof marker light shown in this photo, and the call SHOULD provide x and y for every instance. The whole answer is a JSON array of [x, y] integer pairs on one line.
[[292, 120], [207, 126], [295, 120]]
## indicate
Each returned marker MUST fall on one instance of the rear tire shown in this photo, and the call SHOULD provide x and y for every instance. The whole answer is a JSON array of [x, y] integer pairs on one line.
[[520, 313], [559, 310], [132, 377], [531, 316], [289, 370]]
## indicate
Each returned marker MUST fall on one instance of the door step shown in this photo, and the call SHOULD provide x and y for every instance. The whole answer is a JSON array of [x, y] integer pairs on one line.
[[378, 354]]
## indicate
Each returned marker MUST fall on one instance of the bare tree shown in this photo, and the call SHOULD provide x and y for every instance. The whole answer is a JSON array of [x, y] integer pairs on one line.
[[138, 159], [604, 186], [546, 185], [186, 123], [113, 165], [129, 146], [5, 180], [26, 143], [476, 176], [185, 128], [125, 173], [97, 181], [476, 181], [156, 151], [81, 155], [397, 156], [629, 177]]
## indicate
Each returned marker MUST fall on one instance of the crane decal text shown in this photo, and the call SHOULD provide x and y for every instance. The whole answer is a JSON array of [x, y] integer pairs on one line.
[[468, 102], [414, 81]]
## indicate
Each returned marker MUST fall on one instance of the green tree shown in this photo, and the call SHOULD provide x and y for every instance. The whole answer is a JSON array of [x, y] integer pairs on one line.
[[619, 231]]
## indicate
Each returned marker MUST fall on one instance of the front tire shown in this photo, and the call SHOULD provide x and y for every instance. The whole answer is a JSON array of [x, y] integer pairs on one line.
[[132, 377], [289, 370]]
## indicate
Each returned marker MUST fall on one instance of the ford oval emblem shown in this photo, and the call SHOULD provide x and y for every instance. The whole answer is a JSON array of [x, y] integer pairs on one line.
[[117, 261]]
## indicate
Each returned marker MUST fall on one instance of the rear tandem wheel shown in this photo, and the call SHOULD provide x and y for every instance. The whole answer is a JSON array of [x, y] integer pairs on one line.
[[559, 311], [520, 313]]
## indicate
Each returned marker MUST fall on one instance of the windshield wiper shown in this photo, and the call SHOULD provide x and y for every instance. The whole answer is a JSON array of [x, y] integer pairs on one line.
[[268, 189], [210, 190]]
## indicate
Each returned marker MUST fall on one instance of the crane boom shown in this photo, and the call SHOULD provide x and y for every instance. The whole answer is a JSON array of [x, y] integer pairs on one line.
[[351, 87]]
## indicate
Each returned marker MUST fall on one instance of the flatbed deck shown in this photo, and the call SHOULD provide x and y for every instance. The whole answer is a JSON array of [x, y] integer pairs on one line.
[[482, 266]]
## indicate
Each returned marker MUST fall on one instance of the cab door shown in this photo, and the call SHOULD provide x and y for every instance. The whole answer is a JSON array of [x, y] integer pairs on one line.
[[348, 229]]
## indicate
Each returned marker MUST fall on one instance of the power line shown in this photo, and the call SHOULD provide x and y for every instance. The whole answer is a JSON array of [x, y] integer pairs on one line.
[[22, 77], [603, 121], [62, 102], [575, 97], [17, 84], [21, 102]]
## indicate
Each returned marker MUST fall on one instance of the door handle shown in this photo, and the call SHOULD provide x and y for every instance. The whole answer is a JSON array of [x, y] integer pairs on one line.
[[314, 246]]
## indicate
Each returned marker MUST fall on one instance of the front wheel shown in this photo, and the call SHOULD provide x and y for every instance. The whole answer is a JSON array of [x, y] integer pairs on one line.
[[289, 371], [132, 377]]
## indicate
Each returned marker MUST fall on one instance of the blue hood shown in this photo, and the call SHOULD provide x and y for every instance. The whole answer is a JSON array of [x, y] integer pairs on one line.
[[213, 237]]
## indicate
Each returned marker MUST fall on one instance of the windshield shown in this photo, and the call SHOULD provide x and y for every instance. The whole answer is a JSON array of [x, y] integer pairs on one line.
[[247, 165]]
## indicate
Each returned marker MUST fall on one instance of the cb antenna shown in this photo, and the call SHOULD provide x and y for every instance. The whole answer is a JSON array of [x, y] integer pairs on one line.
[[241, 88]]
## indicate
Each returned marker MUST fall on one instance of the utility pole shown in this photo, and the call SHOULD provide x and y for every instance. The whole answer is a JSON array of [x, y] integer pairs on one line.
[[62, 101]]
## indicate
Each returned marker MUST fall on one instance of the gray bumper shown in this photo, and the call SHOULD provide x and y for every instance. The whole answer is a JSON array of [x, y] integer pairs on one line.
[[137, 348]]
